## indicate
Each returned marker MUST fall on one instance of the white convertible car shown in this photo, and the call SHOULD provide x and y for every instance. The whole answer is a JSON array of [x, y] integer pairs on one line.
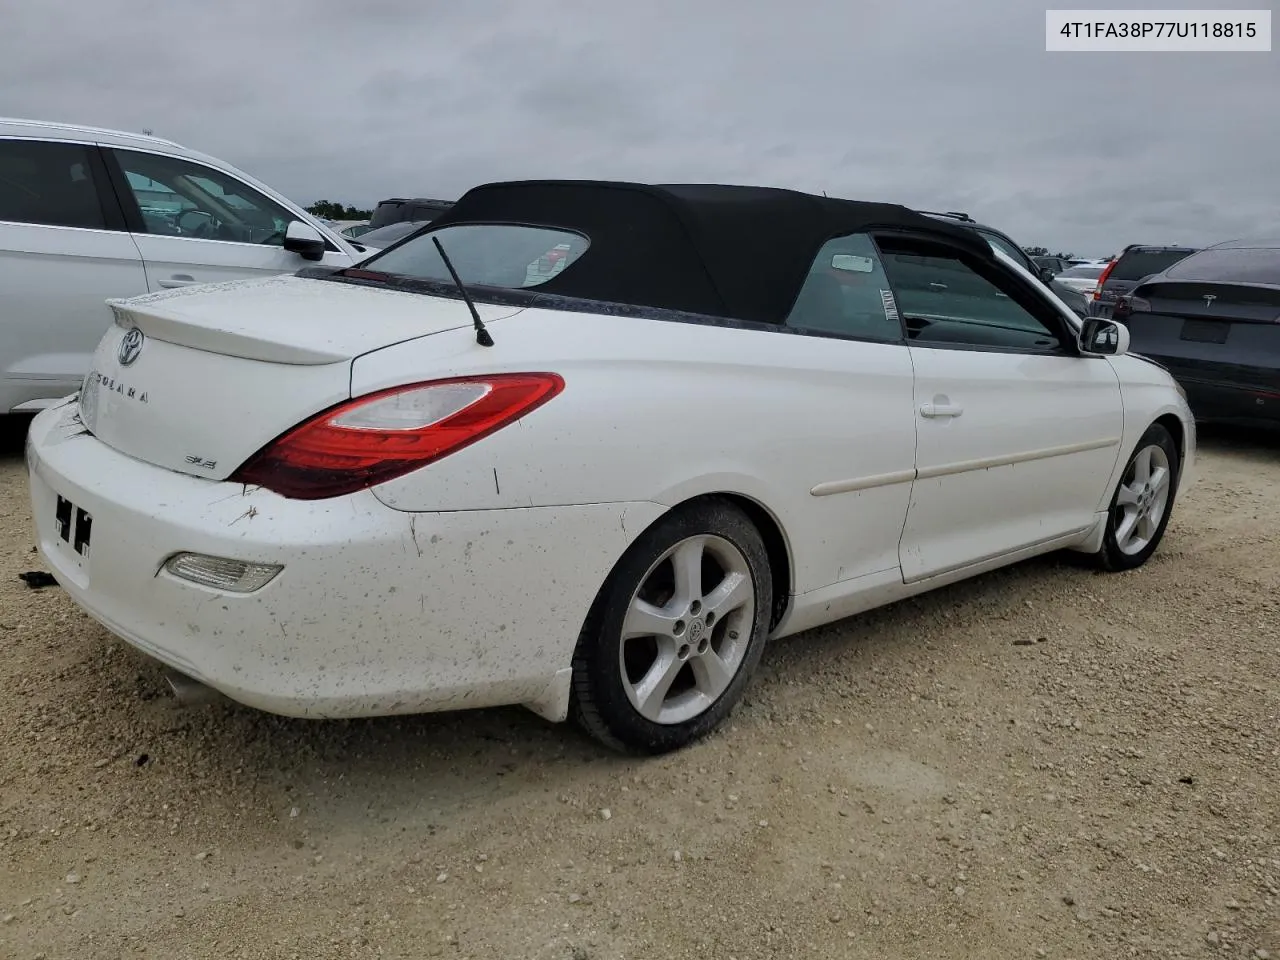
[[587, 447]]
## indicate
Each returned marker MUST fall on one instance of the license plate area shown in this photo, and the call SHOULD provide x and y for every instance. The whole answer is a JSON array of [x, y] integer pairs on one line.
[[1205, 331], [73, 527]]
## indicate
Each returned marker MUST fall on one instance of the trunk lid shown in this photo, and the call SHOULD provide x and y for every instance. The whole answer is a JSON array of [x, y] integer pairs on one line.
[[196, 380], [1208, 331]]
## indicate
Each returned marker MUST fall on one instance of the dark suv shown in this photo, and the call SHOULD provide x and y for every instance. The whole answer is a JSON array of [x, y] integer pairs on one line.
[[1136, 262], [399, 210], [1077, 301]]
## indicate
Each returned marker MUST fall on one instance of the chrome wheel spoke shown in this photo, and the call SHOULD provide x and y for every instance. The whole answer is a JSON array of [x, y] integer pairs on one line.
[[711, 674], [733, 592], [1142, 467], [1159, 480], [651, 691], [1127, 497], [687, 564], [645, 620], [1125, 528], [1146, 527]]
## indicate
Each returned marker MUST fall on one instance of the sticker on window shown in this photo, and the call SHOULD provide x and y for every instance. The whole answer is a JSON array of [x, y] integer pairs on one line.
[[852, 264], [890, 305]]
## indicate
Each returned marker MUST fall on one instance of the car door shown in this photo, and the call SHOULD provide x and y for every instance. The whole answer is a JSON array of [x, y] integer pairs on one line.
[[854, 451], [63, 251], [197, 224], [1017, 432]]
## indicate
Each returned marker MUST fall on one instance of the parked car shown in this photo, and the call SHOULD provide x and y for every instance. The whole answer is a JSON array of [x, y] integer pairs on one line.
[[1083, 278], [351, 229], [1213, 319], [399, 209], [1078, 303], [383, 237], [1055, 265], [87, 214], [593, 460], [1123, 273]]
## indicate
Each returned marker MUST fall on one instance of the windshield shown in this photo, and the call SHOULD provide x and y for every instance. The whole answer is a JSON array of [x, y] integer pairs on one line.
[[489, 254]]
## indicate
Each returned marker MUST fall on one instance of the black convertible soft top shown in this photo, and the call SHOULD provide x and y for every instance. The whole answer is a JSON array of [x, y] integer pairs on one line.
[[722, 250]]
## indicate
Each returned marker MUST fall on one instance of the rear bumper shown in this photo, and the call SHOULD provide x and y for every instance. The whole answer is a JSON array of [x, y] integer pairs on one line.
[[376, 611], [1214, 401]]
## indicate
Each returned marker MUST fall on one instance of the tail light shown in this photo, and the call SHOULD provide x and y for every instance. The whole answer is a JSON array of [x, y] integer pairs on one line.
[[1106, 272], [1128, 305], [384, 435]]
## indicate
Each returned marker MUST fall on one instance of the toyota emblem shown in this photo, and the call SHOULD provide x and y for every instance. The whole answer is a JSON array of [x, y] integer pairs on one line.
[[130, 346]]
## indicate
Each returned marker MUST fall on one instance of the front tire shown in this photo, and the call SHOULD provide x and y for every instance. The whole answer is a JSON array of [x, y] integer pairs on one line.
[[675, 632], [1142, 504]]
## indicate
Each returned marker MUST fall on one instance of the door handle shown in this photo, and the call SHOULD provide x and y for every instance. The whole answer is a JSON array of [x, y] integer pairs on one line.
[[941, 410], [178, 280]]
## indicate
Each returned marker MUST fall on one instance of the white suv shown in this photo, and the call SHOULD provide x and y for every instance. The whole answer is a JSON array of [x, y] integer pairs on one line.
[[87, 214]]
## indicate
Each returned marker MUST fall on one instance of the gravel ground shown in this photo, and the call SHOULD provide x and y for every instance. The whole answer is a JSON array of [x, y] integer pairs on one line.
[[1041, 762]]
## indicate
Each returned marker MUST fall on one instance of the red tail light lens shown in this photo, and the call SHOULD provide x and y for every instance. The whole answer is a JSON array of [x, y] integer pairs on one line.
[[1106, 272], [376, 438]]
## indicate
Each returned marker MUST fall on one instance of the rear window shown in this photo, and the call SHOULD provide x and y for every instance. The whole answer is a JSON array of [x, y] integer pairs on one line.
[[388, 211], [488, 254], [1084, 273], [1143, 263], [385, 236], [1233, 265]]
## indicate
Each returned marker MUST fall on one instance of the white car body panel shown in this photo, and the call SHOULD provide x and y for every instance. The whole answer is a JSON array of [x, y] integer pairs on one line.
[[466, 582], [663, 402], [285, 346], [54, 280], [1027, 455], [52, 315], [416, 636]]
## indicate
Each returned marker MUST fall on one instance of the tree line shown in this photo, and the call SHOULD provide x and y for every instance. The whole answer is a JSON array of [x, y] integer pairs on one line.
[[328, 210]]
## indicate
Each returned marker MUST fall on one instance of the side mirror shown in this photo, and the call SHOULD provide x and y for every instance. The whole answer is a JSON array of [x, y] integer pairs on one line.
[[1046, 274], [304, 240], [1103, 338]]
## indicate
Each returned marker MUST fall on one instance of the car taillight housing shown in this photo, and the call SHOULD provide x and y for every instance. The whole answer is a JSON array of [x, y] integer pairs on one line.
[[1106, 272], [375, 438], [1128, 305]]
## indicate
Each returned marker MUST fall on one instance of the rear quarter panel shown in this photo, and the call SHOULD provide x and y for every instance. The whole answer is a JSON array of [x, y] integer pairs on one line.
[[664, 411]]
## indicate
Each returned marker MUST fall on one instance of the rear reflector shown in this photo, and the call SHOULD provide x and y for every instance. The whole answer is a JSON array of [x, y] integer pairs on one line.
[[376, 438], [221, 573]]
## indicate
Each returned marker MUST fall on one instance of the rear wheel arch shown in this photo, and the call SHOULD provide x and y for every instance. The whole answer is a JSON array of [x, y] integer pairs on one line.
[[771, 531], [777, 546]]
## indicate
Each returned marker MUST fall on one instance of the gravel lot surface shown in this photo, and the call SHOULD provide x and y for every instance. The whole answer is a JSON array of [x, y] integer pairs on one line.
[[1041, 762]]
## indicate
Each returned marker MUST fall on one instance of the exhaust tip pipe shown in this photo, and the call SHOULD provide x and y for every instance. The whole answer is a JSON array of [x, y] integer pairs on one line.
[[190, 692]]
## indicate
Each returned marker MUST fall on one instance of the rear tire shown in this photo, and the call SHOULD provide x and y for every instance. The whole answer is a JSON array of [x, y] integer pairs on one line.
[[676, 631], [1142, 503]]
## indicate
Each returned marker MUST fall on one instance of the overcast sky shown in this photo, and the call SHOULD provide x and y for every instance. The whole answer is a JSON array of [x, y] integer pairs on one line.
[[942, 104]]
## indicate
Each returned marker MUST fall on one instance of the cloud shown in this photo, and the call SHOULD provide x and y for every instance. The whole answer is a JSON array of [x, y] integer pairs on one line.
[[936, 103]]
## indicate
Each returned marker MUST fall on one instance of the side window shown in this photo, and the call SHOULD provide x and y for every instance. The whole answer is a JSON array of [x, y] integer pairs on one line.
[[178, 198], [48, 183], [944, 298], [846, 292], [999, 243]]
